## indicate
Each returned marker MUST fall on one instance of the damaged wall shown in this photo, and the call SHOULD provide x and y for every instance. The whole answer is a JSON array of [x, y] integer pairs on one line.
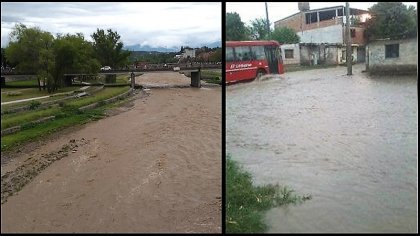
[[406, 61]]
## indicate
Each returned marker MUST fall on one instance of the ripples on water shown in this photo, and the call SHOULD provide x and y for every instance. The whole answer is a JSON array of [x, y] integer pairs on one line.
[[349, 142]]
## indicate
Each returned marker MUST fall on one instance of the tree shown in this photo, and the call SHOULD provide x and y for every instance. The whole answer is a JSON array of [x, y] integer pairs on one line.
[[31, 50], [259, 29], [216, 56], [108, 48], [285, 35], [391, 20], [235, 28], [73, 54]]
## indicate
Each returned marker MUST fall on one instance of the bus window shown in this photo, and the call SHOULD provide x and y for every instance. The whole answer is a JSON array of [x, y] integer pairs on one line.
[[243, 53], [258, 52], [229, 54]]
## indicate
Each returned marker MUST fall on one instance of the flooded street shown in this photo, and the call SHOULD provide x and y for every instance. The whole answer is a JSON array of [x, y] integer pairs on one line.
[[349, 142]]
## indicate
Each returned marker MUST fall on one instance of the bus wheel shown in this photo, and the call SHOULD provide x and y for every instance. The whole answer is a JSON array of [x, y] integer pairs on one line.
[[260, 73]]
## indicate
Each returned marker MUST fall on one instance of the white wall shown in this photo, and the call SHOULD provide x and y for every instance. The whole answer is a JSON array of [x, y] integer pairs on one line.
[[329, 34], [296, 54], [407, 53]]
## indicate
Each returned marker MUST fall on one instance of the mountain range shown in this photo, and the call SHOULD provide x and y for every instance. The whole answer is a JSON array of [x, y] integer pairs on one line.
[[147, 48]]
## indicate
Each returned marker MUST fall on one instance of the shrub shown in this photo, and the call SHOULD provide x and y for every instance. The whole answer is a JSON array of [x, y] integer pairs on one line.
[[34, 105]]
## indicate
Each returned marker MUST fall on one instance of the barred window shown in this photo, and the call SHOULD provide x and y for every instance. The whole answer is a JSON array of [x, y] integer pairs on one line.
[[288, 53]]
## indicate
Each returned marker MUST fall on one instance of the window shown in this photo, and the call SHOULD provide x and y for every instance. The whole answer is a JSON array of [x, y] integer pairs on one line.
[[326, 15], [311, 17], [243, 53], [258, 53], [288, 53], [353, 33], [392, 51], [229, 54]]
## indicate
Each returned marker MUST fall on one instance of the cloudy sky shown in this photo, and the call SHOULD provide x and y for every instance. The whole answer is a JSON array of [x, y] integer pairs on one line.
[[168, 25], [279, 10]]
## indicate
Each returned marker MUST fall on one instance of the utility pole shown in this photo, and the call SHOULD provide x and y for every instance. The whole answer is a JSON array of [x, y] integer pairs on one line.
[[268, 21], [348, 50]]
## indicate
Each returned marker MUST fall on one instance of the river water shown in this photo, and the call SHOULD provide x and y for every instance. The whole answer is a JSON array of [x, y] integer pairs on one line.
[[351, 143]]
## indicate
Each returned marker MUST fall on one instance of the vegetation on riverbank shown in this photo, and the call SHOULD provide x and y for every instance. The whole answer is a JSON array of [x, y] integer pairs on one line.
[[67, 114], [246, 203]]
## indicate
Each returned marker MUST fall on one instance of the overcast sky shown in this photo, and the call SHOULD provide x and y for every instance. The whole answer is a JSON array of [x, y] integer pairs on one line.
[[168, 24], [280, 10]]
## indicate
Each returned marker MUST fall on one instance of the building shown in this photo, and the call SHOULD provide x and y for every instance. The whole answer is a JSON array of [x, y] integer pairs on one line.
[[385, 56], [187, 53], [326, 26], [290, 54]]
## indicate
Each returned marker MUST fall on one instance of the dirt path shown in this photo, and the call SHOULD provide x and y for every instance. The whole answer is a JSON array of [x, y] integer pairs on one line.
[[153, 168]]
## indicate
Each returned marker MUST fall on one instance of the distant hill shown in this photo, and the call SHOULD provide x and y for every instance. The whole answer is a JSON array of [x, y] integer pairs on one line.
[[146, 48]]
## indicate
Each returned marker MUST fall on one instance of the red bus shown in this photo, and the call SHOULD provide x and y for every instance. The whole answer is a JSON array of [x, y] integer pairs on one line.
[[248, 60]]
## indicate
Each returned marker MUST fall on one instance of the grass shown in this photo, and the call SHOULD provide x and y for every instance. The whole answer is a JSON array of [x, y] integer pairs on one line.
[[30, 82], [68, 116], [246, 203], [212, 76], [10, 120], [37, 131], [9, 94]]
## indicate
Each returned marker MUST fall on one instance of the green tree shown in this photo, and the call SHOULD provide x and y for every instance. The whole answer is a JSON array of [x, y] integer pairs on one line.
[[31, 50], [235, 28], [391, 20], [216, 56], [108, 48], [258, 29], [285, 35], [73, 54]]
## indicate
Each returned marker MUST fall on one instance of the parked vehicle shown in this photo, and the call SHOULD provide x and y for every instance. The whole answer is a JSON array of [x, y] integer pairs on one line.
[[106, 68], [248, 60]]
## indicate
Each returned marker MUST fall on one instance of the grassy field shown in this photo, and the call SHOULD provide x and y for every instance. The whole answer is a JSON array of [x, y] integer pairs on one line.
[[69, 118], [30, 82], [246, 203], [13, 94], [66, 115]]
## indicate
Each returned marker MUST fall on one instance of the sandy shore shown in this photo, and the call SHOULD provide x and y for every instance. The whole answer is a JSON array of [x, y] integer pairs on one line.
[[154, 168]]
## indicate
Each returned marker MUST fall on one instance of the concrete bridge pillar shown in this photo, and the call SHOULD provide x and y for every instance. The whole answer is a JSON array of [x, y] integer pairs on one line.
[[196, 78]]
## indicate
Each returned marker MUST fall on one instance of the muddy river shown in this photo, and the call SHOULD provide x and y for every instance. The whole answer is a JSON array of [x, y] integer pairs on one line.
[[349, 142]]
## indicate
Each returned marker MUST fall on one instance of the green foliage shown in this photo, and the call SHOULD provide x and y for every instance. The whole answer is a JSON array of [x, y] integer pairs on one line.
[[285, 35], [245, 202], [108, 48], [391, 20], [30, 49], [258, 29], [216, 56], [34, 105], [73, 54], [235, 28], [110, 78], [153, 58]]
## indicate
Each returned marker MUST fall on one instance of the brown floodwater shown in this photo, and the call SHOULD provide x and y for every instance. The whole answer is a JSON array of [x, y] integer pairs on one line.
[[350, 142]]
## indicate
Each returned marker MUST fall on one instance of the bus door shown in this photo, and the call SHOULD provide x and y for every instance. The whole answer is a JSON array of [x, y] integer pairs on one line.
[[272, 59]]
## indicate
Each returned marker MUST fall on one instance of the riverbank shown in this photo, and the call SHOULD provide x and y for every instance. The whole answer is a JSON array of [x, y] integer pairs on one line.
[[247, 203]]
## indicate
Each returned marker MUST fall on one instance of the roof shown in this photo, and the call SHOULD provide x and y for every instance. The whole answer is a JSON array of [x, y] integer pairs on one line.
[[254, 43], [353, 11]]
